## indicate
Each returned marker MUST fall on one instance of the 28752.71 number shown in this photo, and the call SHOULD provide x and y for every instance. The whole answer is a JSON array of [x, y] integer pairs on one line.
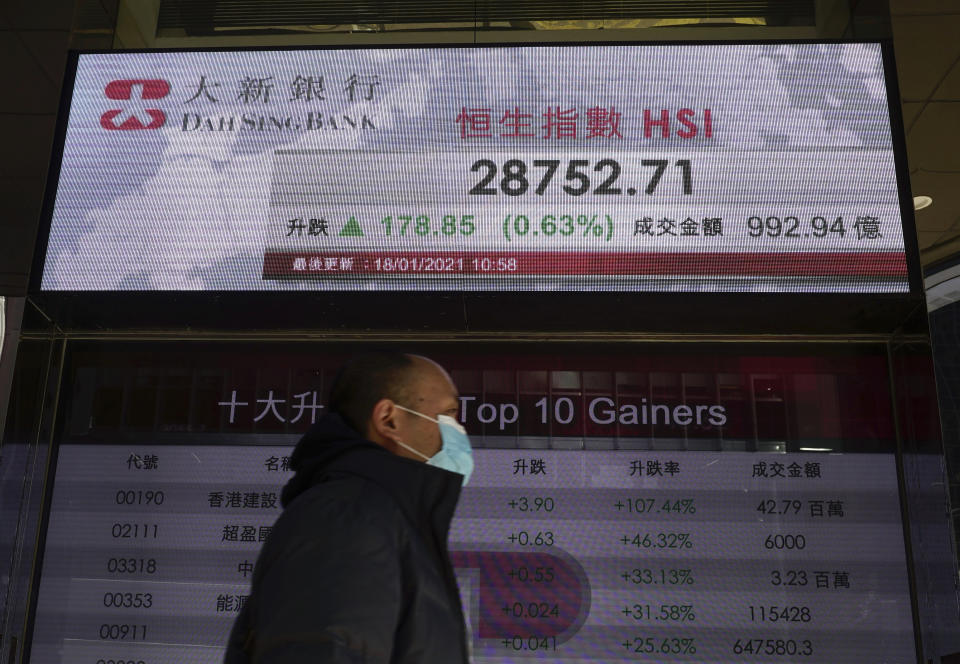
[[516, 183]]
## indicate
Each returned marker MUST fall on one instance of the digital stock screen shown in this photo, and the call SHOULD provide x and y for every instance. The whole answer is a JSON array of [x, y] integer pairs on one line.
[[631, 509], [560, 555], [695, 168]]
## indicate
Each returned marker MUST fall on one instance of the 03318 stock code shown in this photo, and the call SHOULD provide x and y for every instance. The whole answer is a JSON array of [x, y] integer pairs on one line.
[[516, 177]]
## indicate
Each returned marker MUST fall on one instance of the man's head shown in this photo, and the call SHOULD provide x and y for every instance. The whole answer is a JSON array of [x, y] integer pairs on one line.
[[369, 389]]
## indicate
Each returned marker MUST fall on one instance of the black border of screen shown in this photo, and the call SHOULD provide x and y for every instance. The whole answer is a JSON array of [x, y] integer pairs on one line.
[[460, 311]]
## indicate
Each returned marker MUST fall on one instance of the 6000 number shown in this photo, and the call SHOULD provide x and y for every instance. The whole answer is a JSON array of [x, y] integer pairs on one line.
[[790, 542]]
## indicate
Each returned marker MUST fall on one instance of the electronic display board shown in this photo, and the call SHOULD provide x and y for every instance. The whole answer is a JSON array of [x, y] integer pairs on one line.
[[668, 167], [561, 555], [624, 507]]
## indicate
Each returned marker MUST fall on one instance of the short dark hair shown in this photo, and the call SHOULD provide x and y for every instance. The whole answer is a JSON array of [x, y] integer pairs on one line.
[[365, 380]]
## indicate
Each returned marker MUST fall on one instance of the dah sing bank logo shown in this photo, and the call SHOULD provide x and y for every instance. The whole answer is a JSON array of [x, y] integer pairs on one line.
[[135, 113]]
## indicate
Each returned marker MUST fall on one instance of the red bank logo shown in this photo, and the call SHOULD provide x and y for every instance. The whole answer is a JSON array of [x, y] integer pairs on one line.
[[135, 114]]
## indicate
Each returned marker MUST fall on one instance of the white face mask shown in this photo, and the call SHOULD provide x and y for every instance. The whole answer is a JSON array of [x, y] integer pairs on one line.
[[456, 455]]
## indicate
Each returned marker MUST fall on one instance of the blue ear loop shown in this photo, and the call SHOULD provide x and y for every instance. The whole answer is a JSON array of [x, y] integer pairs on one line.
[[455, 455]]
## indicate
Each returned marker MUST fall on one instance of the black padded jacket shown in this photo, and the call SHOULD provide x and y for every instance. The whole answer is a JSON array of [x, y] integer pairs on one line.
[[356, 568]]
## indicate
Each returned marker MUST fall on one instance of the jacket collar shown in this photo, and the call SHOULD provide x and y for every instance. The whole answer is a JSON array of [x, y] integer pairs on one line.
[[425, 494]]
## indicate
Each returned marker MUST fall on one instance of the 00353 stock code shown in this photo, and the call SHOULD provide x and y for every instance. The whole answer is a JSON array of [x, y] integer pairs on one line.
[[120, 600]]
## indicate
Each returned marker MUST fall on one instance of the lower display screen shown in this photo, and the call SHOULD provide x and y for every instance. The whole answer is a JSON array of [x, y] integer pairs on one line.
[[561, 555], [629, 503]]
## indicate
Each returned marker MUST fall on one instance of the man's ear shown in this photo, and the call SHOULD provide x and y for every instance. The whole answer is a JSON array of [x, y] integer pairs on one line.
[[383, 422]]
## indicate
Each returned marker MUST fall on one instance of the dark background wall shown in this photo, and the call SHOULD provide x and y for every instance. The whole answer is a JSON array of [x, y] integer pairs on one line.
[[945, 337], [35, 36]]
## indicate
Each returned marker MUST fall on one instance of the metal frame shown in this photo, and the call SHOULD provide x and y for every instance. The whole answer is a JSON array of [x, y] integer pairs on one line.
[[875, 320], [38, 477], [34, 497], [453, 311]]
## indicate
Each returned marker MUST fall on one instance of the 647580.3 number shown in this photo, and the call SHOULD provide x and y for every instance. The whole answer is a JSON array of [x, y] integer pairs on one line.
[[773, 647]]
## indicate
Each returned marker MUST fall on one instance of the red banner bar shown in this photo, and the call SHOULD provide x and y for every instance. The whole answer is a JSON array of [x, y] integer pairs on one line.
[[313, 264]]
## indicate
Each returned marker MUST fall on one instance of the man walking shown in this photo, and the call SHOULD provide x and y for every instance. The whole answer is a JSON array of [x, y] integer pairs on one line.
[[356, 568]]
